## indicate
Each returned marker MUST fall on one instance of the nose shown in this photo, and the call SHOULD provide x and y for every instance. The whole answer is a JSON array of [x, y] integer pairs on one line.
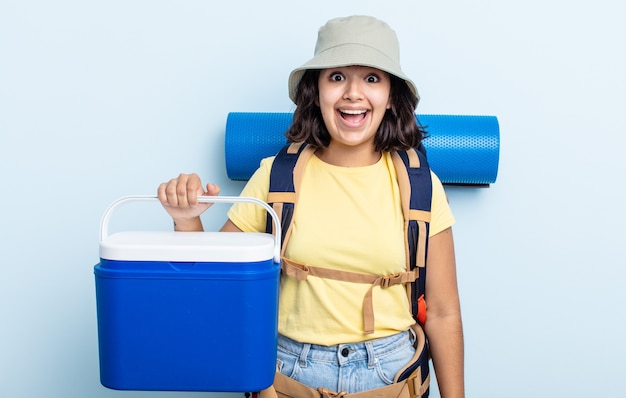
[[354, 91]]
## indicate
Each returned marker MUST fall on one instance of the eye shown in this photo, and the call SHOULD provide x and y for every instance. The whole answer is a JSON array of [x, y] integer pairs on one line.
[[336, 77], [373, 78]]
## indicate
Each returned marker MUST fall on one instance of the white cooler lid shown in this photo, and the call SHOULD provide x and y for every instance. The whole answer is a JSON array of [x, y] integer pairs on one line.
[[188, 246]]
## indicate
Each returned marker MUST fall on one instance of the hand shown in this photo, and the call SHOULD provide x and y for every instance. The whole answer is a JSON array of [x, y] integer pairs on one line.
[[179, 197]]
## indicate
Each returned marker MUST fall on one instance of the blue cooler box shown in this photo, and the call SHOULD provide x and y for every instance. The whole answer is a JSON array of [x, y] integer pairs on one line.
[[187, 311]]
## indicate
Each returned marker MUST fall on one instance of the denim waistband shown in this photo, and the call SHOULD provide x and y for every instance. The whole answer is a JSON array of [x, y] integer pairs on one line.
[[343, 353]]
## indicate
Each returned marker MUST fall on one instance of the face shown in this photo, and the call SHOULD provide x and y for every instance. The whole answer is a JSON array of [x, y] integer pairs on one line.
[[353, 101]]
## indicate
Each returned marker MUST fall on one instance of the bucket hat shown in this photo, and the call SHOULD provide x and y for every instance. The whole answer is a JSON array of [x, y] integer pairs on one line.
[[355, 40]]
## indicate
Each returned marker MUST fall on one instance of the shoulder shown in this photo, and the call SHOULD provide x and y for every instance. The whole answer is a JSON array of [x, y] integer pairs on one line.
[[258, 184], [267, 162], [441, 213], [249, 217], [264, 170], [436, 181]]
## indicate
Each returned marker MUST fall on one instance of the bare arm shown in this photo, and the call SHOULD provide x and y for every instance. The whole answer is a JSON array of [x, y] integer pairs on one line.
[[443, 325], [229, 226]]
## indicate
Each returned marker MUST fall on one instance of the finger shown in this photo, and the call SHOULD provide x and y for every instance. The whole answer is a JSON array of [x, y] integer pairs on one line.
[[172, 191], [212, 190], [162, 195], [180, 190], [193, 189]]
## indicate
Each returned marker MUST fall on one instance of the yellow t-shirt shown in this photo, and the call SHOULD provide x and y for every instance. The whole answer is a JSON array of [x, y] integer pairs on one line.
[[347, 218]]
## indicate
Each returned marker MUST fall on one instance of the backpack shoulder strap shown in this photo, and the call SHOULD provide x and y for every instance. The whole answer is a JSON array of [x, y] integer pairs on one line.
[[285, 177], [415, 183]]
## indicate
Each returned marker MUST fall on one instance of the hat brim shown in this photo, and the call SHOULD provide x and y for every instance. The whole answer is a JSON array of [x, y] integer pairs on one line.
[[348, 55]]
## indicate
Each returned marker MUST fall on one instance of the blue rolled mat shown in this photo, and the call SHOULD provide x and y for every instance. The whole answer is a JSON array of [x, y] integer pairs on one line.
[[461, 149]]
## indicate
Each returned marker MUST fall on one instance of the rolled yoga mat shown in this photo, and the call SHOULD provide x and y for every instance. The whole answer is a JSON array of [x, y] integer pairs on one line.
[[461, 149]]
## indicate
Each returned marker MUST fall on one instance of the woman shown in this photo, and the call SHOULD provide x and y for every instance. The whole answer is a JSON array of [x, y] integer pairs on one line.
[[355, 105]]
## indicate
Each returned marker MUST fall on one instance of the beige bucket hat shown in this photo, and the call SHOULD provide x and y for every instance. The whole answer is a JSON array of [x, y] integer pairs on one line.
[[355, 40]]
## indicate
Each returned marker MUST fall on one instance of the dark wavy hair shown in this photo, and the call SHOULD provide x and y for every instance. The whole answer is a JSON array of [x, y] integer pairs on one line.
[[399, 129]]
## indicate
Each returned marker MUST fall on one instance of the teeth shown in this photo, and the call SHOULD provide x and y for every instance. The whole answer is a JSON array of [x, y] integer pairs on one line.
[[353, 111]]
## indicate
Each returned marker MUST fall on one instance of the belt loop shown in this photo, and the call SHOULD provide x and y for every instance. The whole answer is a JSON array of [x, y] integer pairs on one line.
[[412, 336], [371, 355], [304, 353]]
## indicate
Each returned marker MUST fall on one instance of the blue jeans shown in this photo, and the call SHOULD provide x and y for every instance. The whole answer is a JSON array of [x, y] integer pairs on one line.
[[352, 368]]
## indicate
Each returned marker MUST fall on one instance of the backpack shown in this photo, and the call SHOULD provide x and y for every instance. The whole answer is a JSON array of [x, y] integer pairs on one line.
[[415, 184]]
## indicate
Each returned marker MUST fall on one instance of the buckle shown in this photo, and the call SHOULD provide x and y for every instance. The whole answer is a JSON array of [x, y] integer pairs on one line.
[[388, 280]]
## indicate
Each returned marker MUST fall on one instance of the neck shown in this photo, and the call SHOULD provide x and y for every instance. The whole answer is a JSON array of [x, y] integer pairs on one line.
[[348, 156]]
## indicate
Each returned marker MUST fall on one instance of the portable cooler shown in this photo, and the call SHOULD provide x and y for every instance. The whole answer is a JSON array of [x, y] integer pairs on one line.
[[187, 311]]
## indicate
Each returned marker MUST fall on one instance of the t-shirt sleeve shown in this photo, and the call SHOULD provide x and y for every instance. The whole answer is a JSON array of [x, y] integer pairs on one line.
[[441, 216], [250, 217]]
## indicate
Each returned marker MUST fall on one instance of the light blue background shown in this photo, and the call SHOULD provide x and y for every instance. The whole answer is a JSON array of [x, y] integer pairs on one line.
[[102, 99]]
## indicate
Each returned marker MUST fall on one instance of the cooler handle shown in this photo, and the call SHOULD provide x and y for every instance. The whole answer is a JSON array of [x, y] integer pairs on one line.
[[104, 224]]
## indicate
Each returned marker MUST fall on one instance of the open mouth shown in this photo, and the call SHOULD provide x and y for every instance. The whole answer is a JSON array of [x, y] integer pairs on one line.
[[353, 116]]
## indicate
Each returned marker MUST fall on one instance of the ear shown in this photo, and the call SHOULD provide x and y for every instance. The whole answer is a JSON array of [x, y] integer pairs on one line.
[[389, 103]]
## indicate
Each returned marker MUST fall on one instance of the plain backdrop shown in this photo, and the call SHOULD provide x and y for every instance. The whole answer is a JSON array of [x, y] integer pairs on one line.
[[102, 99]]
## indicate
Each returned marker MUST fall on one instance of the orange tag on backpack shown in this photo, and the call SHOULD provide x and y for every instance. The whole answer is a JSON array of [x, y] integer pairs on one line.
[[421, 310]]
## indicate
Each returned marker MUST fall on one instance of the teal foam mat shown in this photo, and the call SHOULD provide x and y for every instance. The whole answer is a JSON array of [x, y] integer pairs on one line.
[[461, 149]]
